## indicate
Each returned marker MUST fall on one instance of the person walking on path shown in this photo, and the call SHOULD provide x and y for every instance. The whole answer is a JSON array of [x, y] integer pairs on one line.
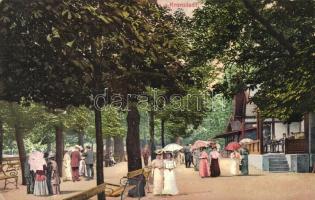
[[38, 164], [82, 164], [235, 164], [48, 172], [214, 165], [244, 162], [196, 155], [188, 156], [29, 176], [203, 164], [67, 166], [158, 173], [75, 162], [170, 186], [55, 178], [89, 161]]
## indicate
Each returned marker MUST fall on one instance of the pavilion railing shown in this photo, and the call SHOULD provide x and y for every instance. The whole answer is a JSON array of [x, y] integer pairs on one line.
[[254, 147], [294, 146]]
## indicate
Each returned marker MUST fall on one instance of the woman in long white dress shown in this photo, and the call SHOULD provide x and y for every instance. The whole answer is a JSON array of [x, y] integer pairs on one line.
[[170, 187], [67, 175], [235, 163], [158, 173]]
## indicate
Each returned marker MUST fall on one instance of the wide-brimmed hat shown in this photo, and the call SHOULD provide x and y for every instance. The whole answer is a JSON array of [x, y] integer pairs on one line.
[[51, 155], [159, 151]]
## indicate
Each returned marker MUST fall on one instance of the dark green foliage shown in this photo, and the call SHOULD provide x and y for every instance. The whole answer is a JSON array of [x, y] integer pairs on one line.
[[268, 44]]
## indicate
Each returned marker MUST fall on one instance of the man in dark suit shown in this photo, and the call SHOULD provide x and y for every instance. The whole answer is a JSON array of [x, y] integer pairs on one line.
[[188, 156], [89, 161], [75, 163]]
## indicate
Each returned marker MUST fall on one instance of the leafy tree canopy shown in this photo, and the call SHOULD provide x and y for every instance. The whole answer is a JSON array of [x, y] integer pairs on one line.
[[271, 43]]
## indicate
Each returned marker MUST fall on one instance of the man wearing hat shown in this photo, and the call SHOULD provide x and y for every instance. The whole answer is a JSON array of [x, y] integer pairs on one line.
[[75, 163], [89, 161], [55, 178]]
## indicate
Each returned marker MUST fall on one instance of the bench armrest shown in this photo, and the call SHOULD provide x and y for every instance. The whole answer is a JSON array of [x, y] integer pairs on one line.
[[9, 171], [124, 181]]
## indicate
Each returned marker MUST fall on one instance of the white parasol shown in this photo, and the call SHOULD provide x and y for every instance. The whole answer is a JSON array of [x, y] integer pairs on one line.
[[172, 147], [245, 141], [36, 161]]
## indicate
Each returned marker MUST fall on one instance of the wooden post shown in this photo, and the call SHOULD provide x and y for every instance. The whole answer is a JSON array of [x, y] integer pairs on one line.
[[273, 128], [260, 125], [306, 131]]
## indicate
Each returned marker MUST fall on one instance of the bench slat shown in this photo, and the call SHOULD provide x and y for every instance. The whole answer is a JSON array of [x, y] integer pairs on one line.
[[110, 189], [135, 173], [119, 191], [88, 193]]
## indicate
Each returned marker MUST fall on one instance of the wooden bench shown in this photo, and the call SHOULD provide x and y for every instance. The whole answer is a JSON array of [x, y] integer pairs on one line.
[[9, 175], [114, 190]]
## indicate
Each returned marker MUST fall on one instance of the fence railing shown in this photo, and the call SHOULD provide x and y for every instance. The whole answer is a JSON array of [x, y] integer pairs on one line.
[[293, 146], [254, 147]]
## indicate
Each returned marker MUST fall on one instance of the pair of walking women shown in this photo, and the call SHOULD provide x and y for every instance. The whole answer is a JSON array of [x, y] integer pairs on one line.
[[164, 180], [204, 170]]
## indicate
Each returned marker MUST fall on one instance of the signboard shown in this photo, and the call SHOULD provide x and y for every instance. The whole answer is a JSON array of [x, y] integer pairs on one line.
[[188, 6]]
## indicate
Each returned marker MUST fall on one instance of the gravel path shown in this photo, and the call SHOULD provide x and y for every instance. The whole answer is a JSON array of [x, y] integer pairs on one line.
[[257, 186]]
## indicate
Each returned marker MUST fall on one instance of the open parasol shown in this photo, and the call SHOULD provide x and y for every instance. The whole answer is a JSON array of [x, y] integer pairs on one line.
[[245, 141], [232, 146], [36, 161], [200, 143], [172, 147]]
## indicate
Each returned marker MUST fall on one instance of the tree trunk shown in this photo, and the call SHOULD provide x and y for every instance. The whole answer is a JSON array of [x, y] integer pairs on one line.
[[21, 149], [133, 139], [59, 147], [81, 138], [108, 145], [119, 148], [151, 126], [97, 80], [99, 151], [133, 147], [1, 141], [162, 133]]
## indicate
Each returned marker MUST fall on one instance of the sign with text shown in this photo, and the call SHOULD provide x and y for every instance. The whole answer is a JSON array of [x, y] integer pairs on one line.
[[188, 6]]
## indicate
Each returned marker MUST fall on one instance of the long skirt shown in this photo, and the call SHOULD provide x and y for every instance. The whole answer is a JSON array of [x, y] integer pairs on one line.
[[234, 167], [55, 189], [196, 164], [82, 168], [67, 174], [157, 181], [214, 168], [40, 186], [244, 166], [170, 186], [204, 168]]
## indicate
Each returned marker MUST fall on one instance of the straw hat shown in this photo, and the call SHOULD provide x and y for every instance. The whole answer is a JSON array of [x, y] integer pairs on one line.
[[159, 151], [51, 155], [78, 147]]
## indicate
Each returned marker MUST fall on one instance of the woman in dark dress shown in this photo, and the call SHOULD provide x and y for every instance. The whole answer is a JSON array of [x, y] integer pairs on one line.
[[244, 162], [29, 176], [48, 173], [214, 166]]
